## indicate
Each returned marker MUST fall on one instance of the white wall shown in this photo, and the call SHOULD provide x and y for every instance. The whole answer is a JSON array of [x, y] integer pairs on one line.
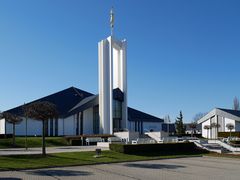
[[66, 126], [2, 126], [88, 121], [206, 133], [222, 122], [34, 127], [227, 121]]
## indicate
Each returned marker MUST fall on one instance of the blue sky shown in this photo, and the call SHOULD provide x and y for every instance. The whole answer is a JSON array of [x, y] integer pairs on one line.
[[182, 54]]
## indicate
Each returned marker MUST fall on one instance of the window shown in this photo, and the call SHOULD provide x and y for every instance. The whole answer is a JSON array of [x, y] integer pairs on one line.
[[96, 120], [117, 115], [117, 109]]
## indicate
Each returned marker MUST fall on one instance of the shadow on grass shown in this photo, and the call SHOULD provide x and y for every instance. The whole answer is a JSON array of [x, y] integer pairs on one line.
[[58, 172], [156, 154], [154, 166]]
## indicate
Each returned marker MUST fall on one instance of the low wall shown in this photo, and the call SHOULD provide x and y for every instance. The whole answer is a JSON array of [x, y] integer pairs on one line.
[[128, 135]]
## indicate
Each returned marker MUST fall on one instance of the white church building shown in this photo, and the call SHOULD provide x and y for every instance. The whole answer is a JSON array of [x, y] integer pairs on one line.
[[220, 117], [81, 112]]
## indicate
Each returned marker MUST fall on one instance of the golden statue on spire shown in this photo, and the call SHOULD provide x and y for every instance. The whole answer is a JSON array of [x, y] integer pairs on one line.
[[111, 20]]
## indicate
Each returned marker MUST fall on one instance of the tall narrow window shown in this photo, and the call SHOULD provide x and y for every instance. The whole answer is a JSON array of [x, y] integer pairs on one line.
[[96, 120], [51, 127], [56, 127], [81, 123], [77, 124], [117, 115]]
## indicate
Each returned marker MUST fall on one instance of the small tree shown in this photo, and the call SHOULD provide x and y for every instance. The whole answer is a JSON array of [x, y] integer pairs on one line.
[[236, 104], [214, 126], [193, 126], [230, 127], [180, 128], [12, 119], [42, 111]]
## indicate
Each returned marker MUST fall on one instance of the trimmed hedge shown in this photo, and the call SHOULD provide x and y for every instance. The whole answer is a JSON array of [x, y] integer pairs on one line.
[[227, 134], [165, 148], [235, 142]]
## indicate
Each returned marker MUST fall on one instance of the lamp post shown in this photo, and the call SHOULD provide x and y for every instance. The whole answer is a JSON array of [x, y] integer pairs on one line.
[[26, 133]]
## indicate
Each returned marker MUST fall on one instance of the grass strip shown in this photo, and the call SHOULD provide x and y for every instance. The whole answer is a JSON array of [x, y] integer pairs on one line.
[[19, 162]]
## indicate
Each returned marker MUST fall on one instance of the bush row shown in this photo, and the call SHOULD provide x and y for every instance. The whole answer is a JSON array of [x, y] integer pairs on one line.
[[227, 134], [165, 148]]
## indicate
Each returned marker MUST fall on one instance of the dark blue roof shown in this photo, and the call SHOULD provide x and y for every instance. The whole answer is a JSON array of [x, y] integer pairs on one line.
[[71, 100], [64, 100], [231, 111], [135, 115]]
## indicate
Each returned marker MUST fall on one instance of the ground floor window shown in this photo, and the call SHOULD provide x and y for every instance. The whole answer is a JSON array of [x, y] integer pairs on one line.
[[117, 124]]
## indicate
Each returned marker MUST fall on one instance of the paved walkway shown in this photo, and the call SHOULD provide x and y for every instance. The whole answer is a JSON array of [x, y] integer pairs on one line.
[[18, 151], [197, 168]]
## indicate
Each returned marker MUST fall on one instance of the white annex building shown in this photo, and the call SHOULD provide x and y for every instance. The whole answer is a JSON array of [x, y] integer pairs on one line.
[[221, 117], [81, 112]]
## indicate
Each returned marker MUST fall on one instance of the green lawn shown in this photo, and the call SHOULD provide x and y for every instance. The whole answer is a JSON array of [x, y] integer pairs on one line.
[[33, 142], [73, 158]]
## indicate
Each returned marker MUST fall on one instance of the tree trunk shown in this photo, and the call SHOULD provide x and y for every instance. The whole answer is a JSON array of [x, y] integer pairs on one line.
[[13, 137], [230, 134], [43, 138]]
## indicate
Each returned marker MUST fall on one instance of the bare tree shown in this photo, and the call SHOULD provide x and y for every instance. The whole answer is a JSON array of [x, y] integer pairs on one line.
[[193, 126], [42, 111], [198, 116], [207, 127], [236, 104], [12, 119], [230, 127]]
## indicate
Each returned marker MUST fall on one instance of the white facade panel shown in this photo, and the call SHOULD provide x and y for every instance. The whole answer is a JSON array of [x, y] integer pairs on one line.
[[206, 133], [60, 127], [69, 126], [231, 121], [2, 126], [88, 121]]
